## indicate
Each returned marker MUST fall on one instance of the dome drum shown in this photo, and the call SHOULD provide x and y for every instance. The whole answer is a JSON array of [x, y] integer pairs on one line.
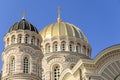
[[22, 37], [66, 46]]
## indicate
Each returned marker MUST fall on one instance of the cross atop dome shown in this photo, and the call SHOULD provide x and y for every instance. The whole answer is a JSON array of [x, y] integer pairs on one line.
[[59, 19]]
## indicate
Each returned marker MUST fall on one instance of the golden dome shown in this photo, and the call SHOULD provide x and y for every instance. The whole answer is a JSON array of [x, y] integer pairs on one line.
[[62, 29]]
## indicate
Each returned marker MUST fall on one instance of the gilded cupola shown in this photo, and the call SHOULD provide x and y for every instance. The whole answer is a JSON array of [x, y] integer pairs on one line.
[[65, 37], [62, 29]]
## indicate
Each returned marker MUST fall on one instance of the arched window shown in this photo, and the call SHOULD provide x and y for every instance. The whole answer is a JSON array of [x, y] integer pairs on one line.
[[56, 72], [78, 48], [26, 65], [38, 42], [55, 46], [71, 46], [26, 38], [88, 52], [33, 40], [84, 50], [47, 47], [37, 67], [63, 44], [43, 75], [12, 65], [13, 39], [19, 38], [8, 41]]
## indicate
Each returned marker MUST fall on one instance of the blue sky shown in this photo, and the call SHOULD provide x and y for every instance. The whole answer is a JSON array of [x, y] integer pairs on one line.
[[98, 19]]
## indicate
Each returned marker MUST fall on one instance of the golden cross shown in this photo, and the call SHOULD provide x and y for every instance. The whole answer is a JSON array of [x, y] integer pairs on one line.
[[59, 8]]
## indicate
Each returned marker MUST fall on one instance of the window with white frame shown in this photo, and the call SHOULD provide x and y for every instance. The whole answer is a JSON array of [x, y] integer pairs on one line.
[[33, 40], [63, 46], [48, 48], [84, 50], [37, 67], [25, 65], [13, 39], [71, 46], [26, 38], [55, 47], [19, 38], [12, 65], [78, 48], [56, 72]]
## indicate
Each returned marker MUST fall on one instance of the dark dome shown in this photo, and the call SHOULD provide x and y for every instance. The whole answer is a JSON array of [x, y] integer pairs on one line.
[[23, 25]]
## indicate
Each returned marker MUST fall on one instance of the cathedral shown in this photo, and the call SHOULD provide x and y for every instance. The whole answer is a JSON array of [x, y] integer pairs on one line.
[[60, 51]]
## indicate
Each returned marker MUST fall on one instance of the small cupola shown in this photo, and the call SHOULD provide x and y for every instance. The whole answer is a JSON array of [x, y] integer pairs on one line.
[[23, 32], [23, 25]]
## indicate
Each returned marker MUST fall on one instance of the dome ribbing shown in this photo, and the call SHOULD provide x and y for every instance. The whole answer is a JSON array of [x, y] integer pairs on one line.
[[23, 25]]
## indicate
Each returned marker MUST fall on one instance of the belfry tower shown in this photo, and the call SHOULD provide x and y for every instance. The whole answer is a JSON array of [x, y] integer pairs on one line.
[[22, 54]]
